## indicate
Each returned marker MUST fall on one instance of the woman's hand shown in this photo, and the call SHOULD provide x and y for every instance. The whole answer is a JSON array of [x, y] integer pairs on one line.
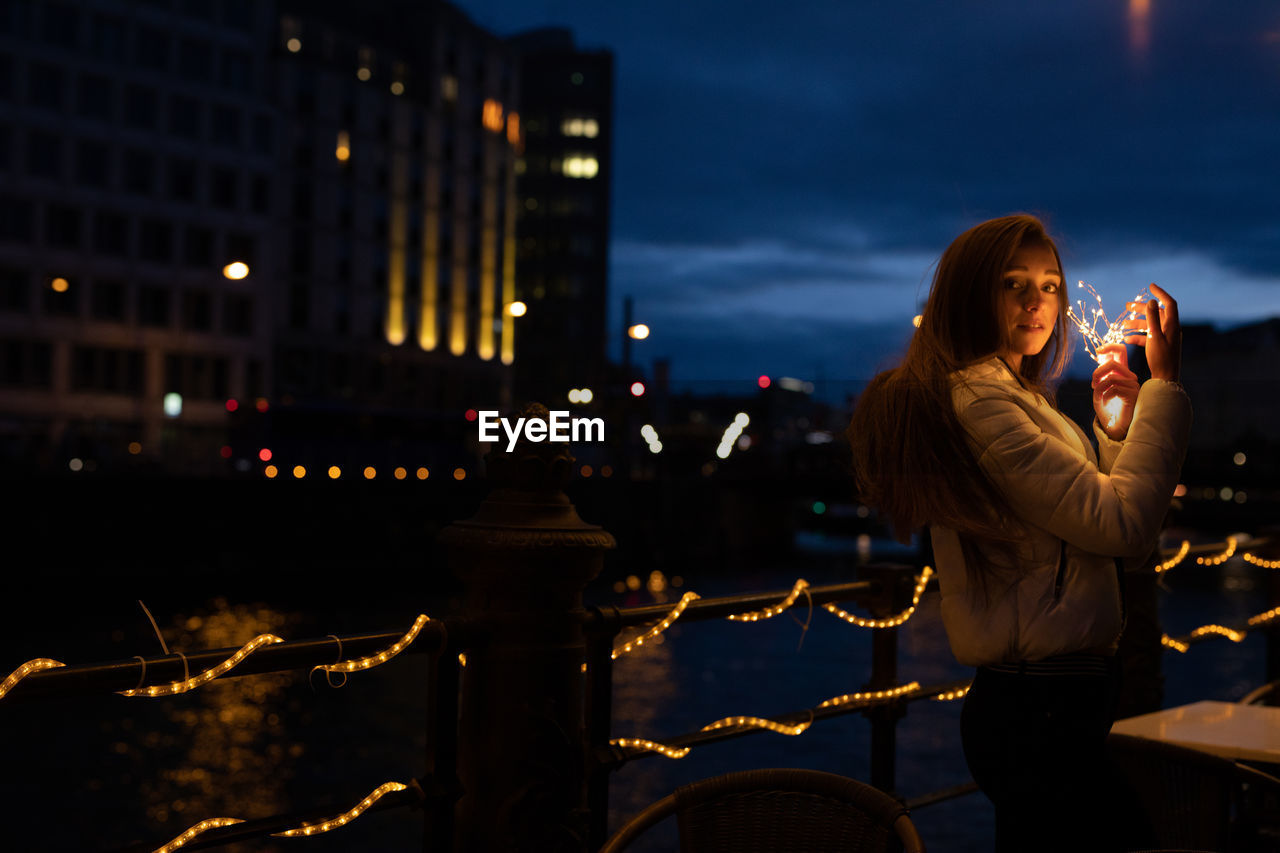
[[1164, 335], [1115, 391]]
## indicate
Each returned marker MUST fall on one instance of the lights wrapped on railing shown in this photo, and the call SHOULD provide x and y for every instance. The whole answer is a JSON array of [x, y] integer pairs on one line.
[[1219, 559], [26, 669], [347, 816], [1177, 558], [1259, 561], [890, 621], [950, 695], [758, 723], [209, 674], [383, 656], [870, 695], [202, 826], [769, 612], [633, 644], [651, 746]]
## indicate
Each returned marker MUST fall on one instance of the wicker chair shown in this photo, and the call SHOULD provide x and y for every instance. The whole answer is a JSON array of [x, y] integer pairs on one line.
[[779, 810], [1176, 798]]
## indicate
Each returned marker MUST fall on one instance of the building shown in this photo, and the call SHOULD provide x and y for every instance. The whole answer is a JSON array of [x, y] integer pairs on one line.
[[296, 219], [137, 150], [562, 225]]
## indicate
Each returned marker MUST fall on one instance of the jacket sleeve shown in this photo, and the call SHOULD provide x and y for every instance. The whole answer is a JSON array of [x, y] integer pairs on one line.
[[1050, 485]]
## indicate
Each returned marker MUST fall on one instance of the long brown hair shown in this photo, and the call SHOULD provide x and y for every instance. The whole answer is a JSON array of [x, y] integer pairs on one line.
[[910, 456]]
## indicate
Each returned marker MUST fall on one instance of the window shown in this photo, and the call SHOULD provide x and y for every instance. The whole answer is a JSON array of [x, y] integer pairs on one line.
[[15, 291], [234, 70], [106, 300], [94, 96], [153, 306], [107, 38], [46, 85], [140, 106], [262, 134], [155, 241], [226, 126], [195, 59], [224, 188], [182, 179], [197, 311], [111, 233], [62, 226], [184, 116], [119, 371], [16, 216], [93, 163], [197, 247], [26, 364], [237, 315], [44, 155], [259, 194], [138, 171], [151, 48]]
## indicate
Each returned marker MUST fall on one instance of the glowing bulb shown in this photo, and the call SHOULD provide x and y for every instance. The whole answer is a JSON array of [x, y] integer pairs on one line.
[[236, 270], [639, 331], [1113, 409], [517, 309], [294, 45]]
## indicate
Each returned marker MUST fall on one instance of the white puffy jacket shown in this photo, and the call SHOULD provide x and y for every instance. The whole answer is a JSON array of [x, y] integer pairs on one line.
[[1046, 468]]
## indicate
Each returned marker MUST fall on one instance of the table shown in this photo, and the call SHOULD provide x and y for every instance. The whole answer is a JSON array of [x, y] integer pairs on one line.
[[1250, 732]]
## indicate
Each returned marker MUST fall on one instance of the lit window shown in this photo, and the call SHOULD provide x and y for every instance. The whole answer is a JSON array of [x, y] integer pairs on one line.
[[587, 127], [492, 115], [449, 87], [580, 167], [513, 129], [343, 149]]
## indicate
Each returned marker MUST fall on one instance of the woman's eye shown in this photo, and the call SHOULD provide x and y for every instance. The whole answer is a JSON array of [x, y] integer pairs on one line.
[[1050, 287], [1012, 283]]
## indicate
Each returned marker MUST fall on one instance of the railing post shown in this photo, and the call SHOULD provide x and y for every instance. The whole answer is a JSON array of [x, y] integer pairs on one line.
[[599, 719], [524, 559], [896, 584]]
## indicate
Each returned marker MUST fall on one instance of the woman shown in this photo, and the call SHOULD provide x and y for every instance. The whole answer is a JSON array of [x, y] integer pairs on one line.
[[1027, 522]]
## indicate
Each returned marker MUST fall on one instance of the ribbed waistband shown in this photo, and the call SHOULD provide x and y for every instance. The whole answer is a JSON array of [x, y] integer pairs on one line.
[[1076, 664]]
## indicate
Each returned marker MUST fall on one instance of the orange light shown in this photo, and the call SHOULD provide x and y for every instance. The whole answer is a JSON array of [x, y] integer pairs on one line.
[[513, 128], [423, 473], [261, 405], [135, 447], [370, 472], [587, 470], [492, 115], [271, 472], [60, 285], [334, 472], [459, 474], [299, 471], [401, 473], [236, 270], [606, 470]]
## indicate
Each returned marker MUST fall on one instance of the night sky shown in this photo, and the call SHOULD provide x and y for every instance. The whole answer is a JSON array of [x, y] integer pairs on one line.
[[788, 173]]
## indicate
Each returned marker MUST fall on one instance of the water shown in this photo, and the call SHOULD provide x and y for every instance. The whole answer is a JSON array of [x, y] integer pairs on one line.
[[103, 772]]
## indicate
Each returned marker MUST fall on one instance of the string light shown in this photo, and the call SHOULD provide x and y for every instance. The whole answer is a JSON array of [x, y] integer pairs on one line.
[[26, 669], [950, 695], [652, 746], [1259, 561], [636, 643], [1114, 333], [1170, 643], [870, 695], [1218, 559], [202, 826], [1177, 558], [769, 612], [891, 621], [383, 656], [1263, 618], [758, 723], [1221, 630], [346, 817], [210, 674]]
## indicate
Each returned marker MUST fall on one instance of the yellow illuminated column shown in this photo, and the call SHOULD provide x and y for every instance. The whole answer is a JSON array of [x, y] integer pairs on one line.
[[488, 249], [509, 269], [428, 322], [458, 286], [397, 247]]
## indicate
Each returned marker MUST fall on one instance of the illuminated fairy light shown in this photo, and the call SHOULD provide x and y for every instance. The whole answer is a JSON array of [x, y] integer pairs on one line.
[[383, 656], [951, 695], [769, 612], [1219, 559], [758, 723], [1220, 630], [652, 746], [1114, 329], [870, 695], [1177, 558], [1263, 618], [1170, 643], [890, 621], [1113, 408], [347, 816], [26, 669], [202, 826], [1259, 561], [632, 645], [208, 675]]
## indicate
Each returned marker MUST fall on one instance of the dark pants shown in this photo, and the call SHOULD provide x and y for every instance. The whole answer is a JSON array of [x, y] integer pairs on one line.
[[1035, 746]]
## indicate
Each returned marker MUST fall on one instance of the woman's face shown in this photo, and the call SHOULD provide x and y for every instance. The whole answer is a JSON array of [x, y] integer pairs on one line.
[[1029, 302]]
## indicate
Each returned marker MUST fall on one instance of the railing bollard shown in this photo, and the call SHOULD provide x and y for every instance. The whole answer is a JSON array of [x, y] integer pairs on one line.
[[896, 585], [524, 559]]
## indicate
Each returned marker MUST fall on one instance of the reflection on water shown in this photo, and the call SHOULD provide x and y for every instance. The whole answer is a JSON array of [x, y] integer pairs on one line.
[[234, 756]]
